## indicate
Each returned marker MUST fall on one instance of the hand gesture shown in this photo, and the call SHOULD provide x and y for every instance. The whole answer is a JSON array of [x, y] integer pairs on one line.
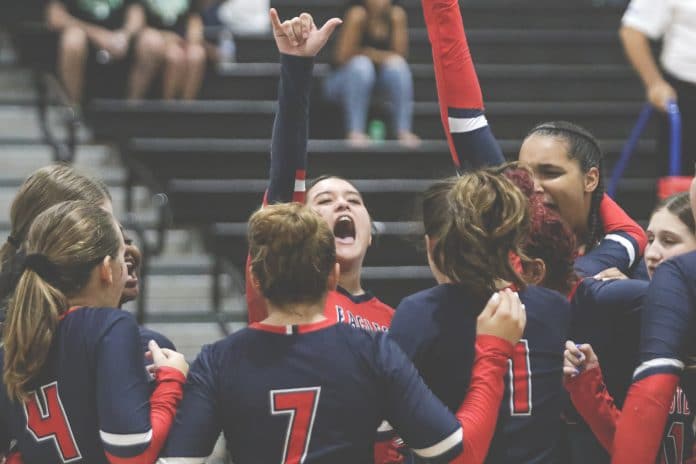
[[660, 93], [578, 358], [299, 36], [611, 273], [164, 357], [504, 316]]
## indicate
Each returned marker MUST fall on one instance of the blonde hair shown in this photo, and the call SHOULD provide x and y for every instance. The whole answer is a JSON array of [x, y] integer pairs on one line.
[[44, 188], [478, 221], [292, 253], [63, 246]]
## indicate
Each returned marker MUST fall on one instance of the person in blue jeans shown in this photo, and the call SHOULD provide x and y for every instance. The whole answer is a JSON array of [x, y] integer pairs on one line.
[[371, 55]]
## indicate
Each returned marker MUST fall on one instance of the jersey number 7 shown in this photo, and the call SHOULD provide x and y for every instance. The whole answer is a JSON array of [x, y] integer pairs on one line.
[[46, 420], [301, 405], [520, 375]]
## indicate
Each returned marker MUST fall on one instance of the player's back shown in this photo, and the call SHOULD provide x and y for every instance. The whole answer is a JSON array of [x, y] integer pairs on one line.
[[60, 422], [529, 420], [315, 393]]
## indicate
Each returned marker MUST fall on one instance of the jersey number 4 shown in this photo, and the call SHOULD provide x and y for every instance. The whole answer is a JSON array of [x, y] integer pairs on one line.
[[520, 375], [301, 405], [46, 420]]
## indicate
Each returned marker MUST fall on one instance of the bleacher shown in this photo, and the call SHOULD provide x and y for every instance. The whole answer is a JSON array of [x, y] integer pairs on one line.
[[537, 60]]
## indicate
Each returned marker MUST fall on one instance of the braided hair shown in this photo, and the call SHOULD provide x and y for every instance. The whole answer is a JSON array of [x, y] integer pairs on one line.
[[584, 148]]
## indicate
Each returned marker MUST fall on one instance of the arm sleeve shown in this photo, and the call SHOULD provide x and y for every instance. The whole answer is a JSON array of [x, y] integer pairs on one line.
[[470, 138], [198, 423], [419, 417], [594, 403], [621, 247], [648, 16], [132, 429], [665, 330], [478, 413], [288, 152]]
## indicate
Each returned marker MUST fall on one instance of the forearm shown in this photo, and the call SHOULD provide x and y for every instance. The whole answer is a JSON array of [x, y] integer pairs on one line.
[[478, 413], [639, 53], [594, 403]]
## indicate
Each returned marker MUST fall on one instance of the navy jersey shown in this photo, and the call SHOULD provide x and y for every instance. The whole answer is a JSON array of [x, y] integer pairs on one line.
[[606, 314], [90, 397], [314, 393], [617, 249], [437, 329]]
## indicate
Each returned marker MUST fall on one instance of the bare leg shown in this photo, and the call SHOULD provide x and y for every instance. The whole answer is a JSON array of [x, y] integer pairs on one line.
[[71, 61], [149, 54], [195, 68], [174, 71]]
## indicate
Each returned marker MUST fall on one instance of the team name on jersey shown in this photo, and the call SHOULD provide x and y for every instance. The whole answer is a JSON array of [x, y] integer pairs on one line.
[[347, 317]]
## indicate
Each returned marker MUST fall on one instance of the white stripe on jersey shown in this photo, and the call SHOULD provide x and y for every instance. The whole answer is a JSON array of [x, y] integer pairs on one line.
[[300, 185], [458, 125], [127, 439], [658, 362], [181, 460], [626, 243], [385, 427], [441, 447]]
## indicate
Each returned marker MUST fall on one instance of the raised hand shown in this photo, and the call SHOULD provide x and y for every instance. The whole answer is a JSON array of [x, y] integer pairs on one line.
[[299, 36]]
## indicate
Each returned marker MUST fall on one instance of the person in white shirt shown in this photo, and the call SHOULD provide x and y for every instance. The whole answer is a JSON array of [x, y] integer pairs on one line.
[[673, 21]]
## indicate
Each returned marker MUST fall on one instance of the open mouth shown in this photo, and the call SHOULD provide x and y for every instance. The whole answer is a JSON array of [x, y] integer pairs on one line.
[[344, 230], [132, 280]]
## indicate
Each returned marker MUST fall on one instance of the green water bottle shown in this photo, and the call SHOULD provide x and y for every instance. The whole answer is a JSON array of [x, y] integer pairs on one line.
[[377, 130]]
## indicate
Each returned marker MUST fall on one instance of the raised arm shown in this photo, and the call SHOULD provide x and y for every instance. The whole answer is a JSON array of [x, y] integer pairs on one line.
[[470, 139], [298, 41]]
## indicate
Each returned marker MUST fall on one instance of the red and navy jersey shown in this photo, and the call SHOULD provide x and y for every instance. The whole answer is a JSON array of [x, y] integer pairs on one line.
[[606, 314], [311, 393], [91, 399], [667, 358], [437, 329], [364, 311]]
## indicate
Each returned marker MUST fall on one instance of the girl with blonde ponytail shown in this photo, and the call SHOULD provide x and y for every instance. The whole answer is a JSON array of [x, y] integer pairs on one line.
[[74, 388]]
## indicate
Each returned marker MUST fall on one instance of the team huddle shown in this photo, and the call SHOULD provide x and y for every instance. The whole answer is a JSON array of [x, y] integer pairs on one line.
[[541, 277]]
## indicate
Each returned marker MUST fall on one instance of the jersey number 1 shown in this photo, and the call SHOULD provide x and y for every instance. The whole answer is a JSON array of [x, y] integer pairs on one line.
[[301, 405], [46, 420], [520, 375]]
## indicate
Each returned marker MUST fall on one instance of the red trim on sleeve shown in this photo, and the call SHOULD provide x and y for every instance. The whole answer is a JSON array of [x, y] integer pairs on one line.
[[594, 403], [615, 219], [478, 413], [642, 422], [163, 403]]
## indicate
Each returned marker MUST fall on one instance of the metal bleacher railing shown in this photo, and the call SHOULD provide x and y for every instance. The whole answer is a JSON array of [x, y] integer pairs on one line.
[[674, 181]]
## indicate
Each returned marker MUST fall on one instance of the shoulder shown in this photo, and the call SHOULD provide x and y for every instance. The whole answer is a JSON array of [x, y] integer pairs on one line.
[[101, 318], [682, 264], [429, 298], [545, 302], [398, 15], [356, 14], [148, 334]]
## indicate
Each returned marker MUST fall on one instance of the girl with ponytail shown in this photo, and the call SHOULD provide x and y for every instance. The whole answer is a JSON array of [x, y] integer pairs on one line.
[[65, 342], [476, 228]]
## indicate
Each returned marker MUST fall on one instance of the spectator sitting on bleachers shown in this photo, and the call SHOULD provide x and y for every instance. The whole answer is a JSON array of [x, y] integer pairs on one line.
[[106, 26], [371, 51], [179, 28]]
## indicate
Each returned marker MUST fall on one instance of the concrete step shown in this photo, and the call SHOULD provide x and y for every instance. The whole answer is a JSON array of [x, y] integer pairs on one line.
[[19, 124], [101, 161]]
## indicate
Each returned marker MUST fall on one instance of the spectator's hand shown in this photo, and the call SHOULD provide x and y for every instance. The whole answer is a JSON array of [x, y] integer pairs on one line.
[[299, 36], [611, 274], [660, 93], [504, 316], [578, 358]]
